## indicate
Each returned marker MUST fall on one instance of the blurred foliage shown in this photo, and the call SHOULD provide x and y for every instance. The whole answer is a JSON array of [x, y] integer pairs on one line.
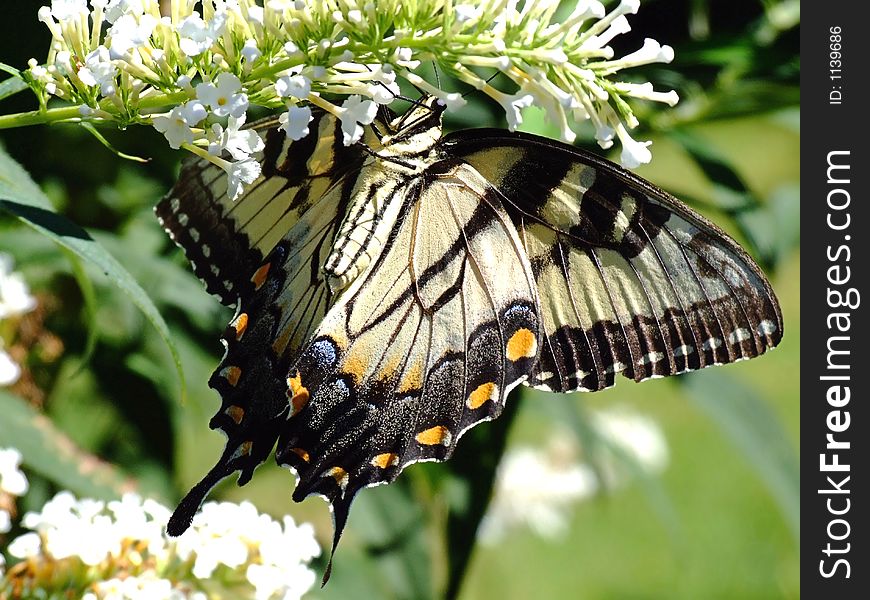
[[99, 406]]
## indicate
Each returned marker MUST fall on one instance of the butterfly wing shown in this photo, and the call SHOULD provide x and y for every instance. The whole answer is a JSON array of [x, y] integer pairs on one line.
[[630, 279], [226, 240], [282, 296], [425, 344]]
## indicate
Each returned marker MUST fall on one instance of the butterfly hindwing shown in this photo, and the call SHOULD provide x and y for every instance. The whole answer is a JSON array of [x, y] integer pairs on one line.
[[423, 346], [630, 279]]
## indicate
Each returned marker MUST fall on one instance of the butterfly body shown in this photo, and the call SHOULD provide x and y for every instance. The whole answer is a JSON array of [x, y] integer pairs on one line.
[[391, 294]]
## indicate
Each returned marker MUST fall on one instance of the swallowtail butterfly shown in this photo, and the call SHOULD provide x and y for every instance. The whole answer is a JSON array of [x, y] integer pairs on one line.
[[390, 294]]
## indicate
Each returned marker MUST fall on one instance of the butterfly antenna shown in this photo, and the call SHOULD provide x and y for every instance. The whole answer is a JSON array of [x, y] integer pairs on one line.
[[471, 91]]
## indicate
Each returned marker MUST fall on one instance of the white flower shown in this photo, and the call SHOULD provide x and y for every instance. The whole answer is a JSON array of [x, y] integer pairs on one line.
[[291, 49], [130, 32], [354, 113], [619, 26], [651, 52], [5, 526], [146, 586], [467, 12], [9, 369], [288, 584], [99, 70], [634, 153], [224, 98], [15, 298], [513, 104], [197, 36], [233, 537], [297, 86], [239, 173], [67, 10], [295, 122], [117, 8], [289, 545], [25, 546], [176, 125], [255, 14], [384, 93], [12, 480], [645, 91], [240, 143], [635, 434], [250, 51], [537, 487]]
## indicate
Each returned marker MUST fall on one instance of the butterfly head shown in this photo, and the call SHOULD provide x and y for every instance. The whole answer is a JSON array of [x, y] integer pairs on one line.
[[416, 131]]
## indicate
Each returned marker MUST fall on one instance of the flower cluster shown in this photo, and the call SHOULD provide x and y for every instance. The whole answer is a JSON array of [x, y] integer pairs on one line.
[[537, 487], [193, 73], [15, 300], [119, 550]]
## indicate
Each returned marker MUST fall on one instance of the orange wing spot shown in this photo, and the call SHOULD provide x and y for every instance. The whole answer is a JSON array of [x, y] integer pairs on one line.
[[435, 435], [298, 394], [385, 460], [236, 413], [244, 449], [301, 453], [413, 379], [231, 374], [522, 344], [240, 325], [483, 393], [259, 276], [340, 475]]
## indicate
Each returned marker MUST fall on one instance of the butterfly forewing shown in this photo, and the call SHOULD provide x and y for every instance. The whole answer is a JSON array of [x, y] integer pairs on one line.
[[630, 280]]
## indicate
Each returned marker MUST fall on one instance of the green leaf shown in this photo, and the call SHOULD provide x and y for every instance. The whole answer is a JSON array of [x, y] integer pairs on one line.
[[11, 86], [393, 525], [89, 296], [52, 454], [20, 196], [747, 420]]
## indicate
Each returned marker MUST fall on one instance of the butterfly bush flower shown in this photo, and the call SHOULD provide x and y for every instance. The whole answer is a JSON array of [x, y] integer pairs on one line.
[[13, 484], [537, 488], [15, 300], [126, 62], [119, 550]]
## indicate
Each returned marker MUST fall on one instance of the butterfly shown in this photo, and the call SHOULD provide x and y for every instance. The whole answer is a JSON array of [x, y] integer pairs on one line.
[[390, 294]]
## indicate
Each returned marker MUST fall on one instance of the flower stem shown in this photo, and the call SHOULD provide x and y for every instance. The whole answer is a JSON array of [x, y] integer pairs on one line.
[[39, 117]]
